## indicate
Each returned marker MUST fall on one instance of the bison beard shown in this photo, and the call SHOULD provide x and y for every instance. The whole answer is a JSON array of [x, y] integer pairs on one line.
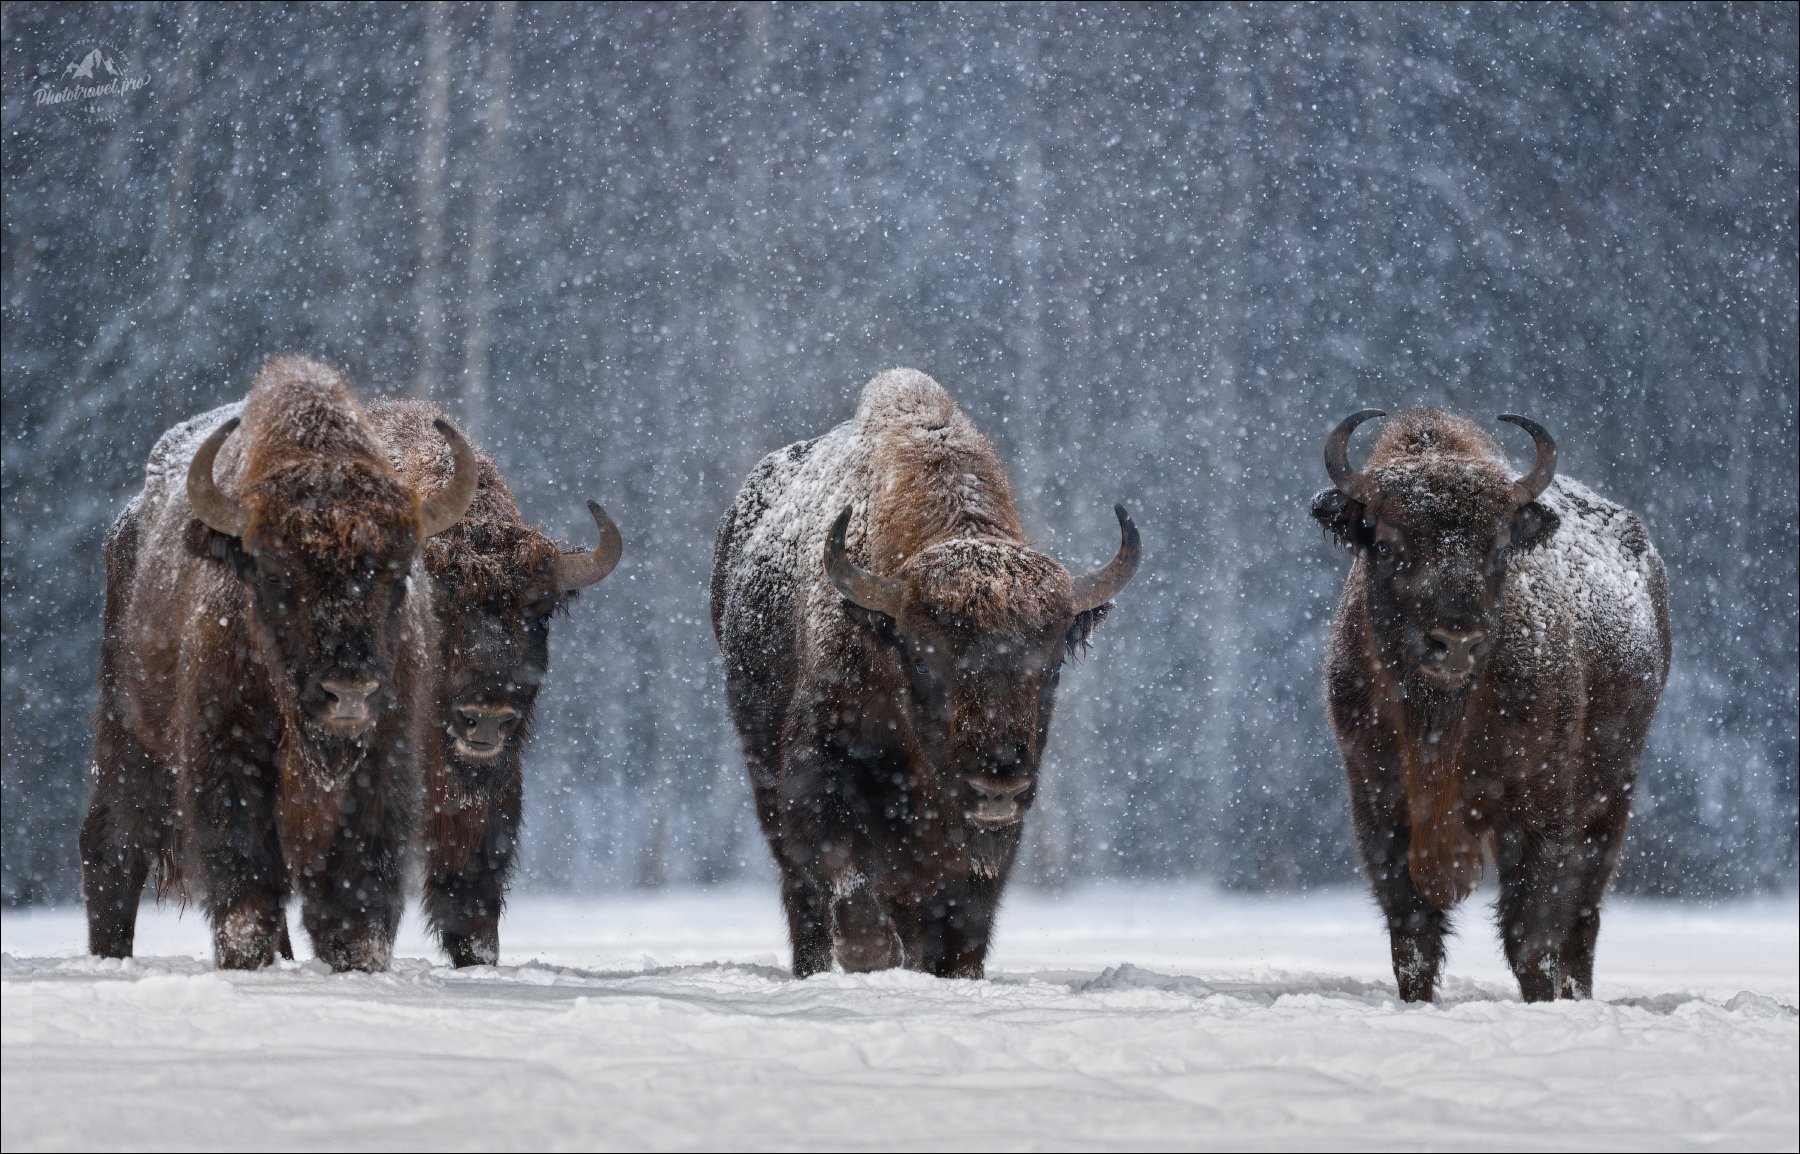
[[1491, 673], [1443, 857], [891, 674], [262, 689], [498, 582]]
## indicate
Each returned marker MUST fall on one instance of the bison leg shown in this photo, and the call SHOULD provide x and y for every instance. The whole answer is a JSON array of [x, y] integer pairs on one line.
[[128, 819], [245, 899], [114, 867], [351, 894], [1599, 857], [1537, 906], [354, 931], [351, 907], [864, 938], [803, 897], [232, 798], [465, 911], [125, 830], [1415, 926], [464, 906], [1378, 810], [958, 923]]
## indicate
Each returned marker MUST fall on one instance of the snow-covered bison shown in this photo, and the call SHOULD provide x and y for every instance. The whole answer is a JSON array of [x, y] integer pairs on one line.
[[498, 582], [892, 646], [264, 683], [1496, 657]]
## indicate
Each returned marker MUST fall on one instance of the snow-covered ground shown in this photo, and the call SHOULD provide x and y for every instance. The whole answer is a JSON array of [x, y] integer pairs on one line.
[[1115, 1017]]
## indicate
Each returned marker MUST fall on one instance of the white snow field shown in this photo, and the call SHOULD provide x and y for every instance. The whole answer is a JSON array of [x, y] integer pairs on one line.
[[1115, 1018]]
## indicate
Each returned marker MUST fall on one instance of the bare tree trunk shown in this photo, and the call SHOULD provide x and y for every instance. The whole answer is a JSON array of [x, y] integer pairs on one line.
[[428, 287], [1225, 341], [495, 83], [1054, 836], [750, 228]]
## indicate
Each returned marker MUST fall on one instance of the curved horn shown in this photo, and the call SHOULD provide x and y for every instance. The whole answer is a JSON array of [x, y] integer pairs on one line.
[[1527, 488], [859, 586], [218, 511], [445, 507], [579, 570], [1095, 589], [1349, 482]]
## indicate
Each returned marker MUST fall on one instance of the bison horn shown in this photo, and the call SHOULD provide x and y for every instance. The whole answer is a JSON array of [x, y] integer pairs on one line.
[[445, 507], [1527, 488], [858, 586], [218, 511], [1349, 482], [579, 570], [1092, 590]]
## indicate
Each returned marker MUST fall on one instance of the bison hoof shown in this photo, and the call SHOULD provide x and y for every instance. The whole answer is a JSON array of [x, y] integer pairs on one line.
[[244, 940], [359, 957], [1539, 977], [471, 952], [869, 953], [245, 956]]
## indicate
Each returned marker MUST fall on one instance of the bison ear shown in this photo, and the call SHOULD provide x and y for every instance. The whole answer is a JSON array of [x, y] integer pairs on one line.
[[1533, 525], [1341, 516], [876, 622], [1081, 633], [203, 541]]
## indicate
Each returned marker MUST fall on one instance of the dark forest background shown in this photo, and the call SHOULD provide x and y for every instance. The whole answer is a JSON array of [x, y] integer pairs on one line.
[[1155, 251]]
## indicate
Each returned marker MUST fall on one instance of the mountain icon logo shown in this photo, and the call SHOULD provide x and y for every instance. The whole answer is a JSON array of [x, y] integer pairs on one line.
[[84, 69], [97, 84]]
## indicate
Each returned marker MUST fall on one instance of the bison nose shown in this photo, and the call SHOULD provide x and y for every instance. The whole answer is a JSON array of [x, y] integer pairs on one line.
[[349, 697], [485, 727], [997, 802], [1456, 649]]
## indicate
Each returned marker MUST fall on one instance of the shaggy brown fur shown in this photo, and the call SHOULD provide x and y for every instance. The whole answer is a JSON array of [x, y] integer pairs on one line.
[[215, 754], [496, 591], [1526, 743], [875, 740]]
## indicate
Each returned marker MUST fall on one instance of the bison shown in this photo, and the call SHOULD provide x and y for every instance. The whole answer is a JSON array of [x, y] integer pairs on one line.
[[1491, 672], [498, 582], [265, 679], [892, 646]]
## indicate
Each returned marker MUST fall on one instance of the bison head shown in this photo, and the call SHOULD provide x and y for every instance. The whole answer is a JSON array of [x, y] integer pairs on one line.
[[502, 583], [323, 545], [981, 627], [1435, 517]]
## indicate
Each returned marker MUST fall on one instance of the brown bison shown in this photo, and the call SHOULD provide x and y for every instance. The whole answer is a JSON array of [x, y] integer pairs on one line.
[[497, 583], [1491, 673], [265, 682], [891, 670]]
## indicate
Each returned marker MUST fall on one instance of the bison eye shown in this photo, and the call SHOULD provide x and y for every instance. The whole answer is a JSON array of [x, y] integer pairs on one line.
[[922, 669], [1383, 549]]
